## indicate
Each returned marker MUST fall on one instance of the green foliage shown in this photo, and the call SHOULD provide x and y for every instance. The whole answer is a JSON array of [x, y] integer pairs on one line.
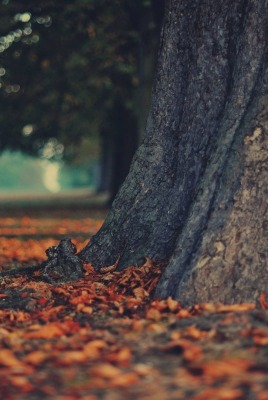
[[63, 66]]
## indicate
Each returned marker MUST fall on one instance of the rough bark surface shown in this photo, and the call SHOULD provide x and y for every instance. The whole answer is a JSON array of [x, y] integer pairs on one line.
[[196, 192]]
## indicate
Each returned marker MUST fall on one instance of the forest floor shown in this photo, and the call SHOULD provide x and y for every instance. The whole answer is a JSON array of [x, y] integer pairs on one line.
[[106, 337]]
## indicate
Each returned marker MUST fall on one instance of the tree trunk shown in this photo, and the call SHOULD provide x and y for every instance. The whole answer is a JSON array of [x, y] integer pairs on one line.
[[119, 141], [125, 143], [196, 193]]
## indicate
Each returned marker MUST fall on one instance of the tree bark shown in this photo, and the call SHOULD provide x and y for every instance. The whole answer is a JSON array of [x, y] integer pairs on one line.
[[196, 193], [119, 141]]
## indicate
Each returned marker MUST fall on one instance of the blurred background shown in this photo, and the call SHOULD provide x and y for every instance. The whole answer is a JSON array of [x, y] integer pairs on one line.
[[75, 86]]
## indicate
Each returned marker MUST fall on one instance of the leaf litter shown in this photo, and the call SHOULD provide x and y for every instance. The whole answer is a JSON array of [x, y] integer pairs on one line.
[[105, 336]]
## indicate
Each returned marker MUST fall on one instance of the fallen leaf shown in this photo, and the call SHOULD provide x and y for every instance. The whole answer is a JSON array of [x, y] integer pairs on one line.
[[122, 357], [8, 359], [22, 382], [105, 370], [125, 380], [110, 268], [153, 314], [221, 368], [35, 357], [140, 293], [72, 356], [263, 302], [173, 305], [220, 393], [47, 331]]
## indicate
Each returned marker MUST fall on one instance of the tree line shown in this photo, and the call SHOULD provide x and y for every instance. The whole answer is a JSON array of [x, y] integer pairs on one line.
[[78, 74]]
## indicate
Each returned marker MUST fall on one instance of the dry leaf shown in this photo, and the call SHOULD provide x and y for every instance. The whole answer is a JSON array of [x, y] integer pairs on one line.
[[46, 332], [8, 359], [263, 302], [72, 356], [173, 305], [220, 393], [35, 357], [148, 263], [122, 357], [125, 380], [140, 293], [110, 268], [229, 367], [153, 314], [105, 370]]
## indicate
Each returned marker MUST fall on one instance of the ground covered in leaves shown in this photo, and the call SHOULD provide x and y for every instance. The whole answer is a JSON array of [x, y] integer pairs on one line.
[[106, 337]]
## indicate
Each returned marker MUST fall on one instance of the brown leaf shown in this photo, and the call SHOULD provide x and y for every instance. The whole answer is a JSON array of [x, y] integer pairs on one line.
[[153, 314], [105, 370], [85, 297], [173, 305], [125, 380], [8, 359], [140, 293], [110, 268], [235, 307], [22, 382], [47, 331], [88, 267], [92, 349], [122, 357], [263, 302], [84, 309], [220, 393], [35, 357], [260, 336], [72, 356], [220, 368], [148, 263]]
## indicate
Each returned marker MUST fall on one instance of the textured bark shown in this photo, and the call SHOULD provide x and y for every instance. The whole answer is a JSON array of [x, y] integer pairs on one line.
[[197, 189]]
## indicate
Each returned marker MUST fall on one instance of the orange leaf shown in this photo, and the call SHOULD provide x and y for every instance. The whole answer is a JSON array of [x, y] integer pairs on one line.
[[88, 267], [36, 357], [195, 333], [84, 309], [220, 368], [22, 383], [184, 313], [46, 332], [85, 297], [173, 305], [105, 370], [122, 357], [125, 380], [92, 349], [261, 341], [140, 293], [153, 314], [235, 307], [260, 336], [148, 263], [263, 302], [8, 359], [220, 393], [70, 357]]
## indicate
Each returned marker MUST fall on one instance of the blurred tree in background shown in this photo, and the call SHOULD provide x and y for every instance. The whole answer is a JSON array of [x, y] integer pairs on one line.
[[75, 79]]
